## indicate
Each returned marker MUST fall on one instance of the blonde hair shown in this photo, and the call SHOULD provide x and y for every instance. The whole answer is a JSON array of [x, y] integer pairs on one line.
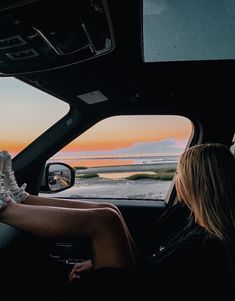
[[206, 183]]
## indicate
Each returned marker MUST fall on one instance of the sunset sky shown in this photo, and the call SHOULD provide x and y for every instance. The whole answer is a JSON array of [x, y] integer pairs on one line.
[[124, 131], [27, 112]]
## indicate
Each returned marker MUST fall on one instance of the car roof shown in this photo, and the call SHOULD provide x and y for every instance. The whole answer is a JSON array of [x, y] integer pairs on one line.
[[197, 89]]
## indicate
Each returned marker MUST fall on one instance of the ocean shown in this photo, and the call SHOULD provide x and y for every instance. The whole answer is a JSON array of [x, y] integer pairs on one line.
[[114, 161]]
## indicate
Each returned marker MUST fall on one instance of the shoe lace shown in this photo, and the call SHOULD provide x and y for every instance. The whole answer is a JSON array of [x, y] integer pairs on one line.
[[3, 188], [12, 181]]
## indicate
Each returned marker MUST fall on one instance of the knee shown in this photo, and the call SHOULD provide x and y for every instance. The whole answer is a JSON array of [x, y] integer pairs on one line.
[[111, 206], [110, 214], [107, 218]]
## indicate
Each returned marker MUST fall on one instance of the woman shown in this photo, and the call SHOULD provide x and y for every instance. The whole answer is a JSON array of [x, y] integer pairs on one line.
[[204, 247]]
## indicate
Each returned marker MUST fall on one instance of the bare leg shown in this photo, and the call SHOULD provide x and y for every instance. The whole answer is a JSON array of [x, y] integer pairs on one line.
[[42, 201], [110, 241]]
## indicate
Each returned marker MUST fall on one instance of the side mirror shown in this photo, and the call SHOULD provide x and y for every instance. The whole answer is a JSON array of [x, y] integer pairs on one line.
[[57, 177]]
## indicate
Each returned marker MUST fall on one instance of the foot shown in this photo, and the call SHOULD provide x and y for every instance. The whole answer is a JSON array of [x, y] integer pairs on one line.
[[18, 193], [5, 200]]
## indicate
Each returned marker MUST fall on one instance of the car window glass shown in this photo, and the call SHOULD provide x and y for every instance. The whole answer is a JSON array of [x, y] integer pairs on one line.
[[26, 112], [126, 157]]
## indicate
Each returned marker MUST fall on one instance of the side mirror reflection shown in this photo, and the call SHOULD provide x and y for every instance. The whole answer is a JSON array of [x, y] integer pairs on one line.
[[57, 177]]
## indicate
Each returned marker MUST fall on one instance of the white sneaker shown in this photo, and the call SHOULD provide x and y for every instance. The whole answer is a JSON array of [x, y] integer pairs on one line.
[[18, 193]]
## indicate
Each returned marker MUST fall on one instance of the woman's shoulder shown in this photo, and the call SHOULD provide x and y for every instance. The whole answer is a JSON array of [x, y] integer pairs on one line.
[[192, 246]]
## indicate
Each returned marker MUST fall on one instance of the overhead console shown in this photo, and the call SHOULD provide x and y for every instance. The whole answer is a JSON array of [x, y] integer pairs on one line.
[[39, 35]]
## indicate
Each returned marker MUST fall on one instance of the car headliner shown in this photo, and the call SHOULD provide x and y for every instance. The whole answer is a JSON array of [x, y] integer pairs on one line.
[[200, 90]]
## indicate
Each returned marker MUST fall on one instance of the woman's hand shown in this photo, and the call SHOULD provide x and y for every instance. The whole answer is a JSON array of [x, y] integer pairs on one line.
[[80, 267]]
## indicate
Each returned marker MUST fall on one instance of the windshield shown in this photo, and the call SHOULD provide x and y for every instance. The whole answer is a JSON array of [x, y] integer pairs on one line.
[[26, 112]]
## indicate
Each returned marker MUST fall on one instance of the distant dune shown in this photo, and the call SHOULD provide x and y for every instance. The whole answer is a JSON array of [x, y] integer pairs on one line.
[[126, 168]]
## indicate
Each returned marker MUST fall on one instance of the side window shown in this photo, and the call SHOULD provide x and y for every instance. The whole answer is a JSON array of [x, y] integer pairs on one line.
[[126, 157]]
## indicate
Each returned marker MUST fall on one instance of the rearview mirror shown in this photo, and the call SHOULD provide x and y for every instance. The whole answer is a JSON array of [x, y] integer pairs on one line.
[[57, 177]]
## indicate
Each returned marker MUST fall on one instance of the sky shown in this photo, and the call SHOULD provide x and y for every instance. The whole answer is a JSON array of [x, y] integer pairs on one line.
[[27, 112], [130, 134]]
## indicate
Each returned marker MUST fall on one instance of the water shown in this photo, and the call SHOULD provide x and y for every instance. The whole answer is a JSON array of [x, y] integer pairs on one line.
[[114, 161]]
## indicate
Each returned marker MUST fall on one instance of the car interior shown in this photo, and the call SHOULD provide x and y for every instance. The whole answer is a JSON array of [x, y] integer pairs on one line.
[[90, 55]]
